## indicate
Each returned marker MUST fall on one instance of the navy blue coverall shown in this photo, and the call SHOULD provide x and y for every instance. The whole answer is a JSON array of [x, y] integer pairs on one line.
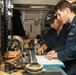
[[69, 54], [56, 41]]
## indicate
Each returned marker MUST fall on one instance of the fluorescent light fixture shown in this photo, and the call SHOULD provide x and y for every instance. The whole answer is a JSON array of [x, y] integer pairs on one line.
[[37, 6]]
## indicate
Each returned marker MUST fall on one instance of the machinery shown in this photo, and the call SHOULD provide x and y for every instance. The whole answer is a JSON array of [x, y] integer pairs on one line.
[[8, 43], [15, 43]]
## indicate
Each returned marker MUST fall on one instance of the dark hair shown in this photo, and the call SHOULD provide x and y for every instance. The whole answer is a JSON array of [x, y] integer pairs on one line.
[[62, 5]]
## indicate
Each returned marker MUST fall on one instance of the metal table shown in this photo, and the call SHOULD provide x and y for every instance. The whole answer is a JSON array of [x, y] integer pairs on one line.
[[49, 68]]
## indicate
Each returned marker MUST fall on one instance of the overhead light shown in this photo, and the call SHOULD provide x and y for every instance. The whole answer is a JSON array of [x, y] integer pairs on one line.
[[71, 1], [33, 6]]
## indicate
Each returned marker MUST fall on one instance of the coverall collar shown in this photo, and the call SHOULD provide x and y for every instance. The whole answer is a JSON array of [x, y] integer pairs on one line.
[[72, 24]]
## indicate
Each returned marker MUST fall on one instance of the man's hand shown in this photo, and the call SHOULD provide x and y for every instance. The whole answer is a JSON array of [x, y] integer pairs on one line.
[[50, 52], [40, 51], [51, 55]]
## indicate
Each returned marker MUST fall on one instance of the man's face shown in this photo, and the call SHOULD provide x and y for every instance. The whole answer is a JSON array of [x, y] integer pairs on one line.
[[55, 24], [62, 15]]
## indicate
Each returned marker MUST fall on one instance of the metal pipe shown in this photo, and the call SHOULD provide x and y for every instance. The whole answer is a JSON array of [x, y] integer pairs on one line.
[[31, 57]]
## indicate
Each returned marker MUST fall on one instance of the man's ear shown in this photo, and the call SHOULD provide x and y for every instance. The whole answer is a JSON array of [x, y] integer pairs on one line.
[[67, 10]]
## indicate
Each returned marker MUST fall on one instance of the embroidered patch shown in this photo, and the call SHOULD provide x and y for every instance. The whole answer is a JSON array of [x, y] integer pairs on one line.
[[48, 18], [71, 34], [73, 25]]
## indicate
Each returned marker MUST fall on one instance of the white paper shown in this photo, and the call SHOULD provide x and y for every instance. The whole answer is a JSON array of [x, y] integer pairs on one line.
[[53, 62]]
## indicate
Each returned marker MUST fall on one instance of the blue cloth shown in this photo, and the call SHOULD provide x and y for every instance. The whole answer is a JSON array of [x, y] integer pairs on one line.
[[56, 41], [68, 55], [70, 47]]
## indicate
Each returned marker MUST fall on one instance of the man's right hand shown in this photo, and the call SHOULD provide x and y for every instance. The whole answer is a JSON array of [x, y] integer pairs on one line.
[[40, 51]]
